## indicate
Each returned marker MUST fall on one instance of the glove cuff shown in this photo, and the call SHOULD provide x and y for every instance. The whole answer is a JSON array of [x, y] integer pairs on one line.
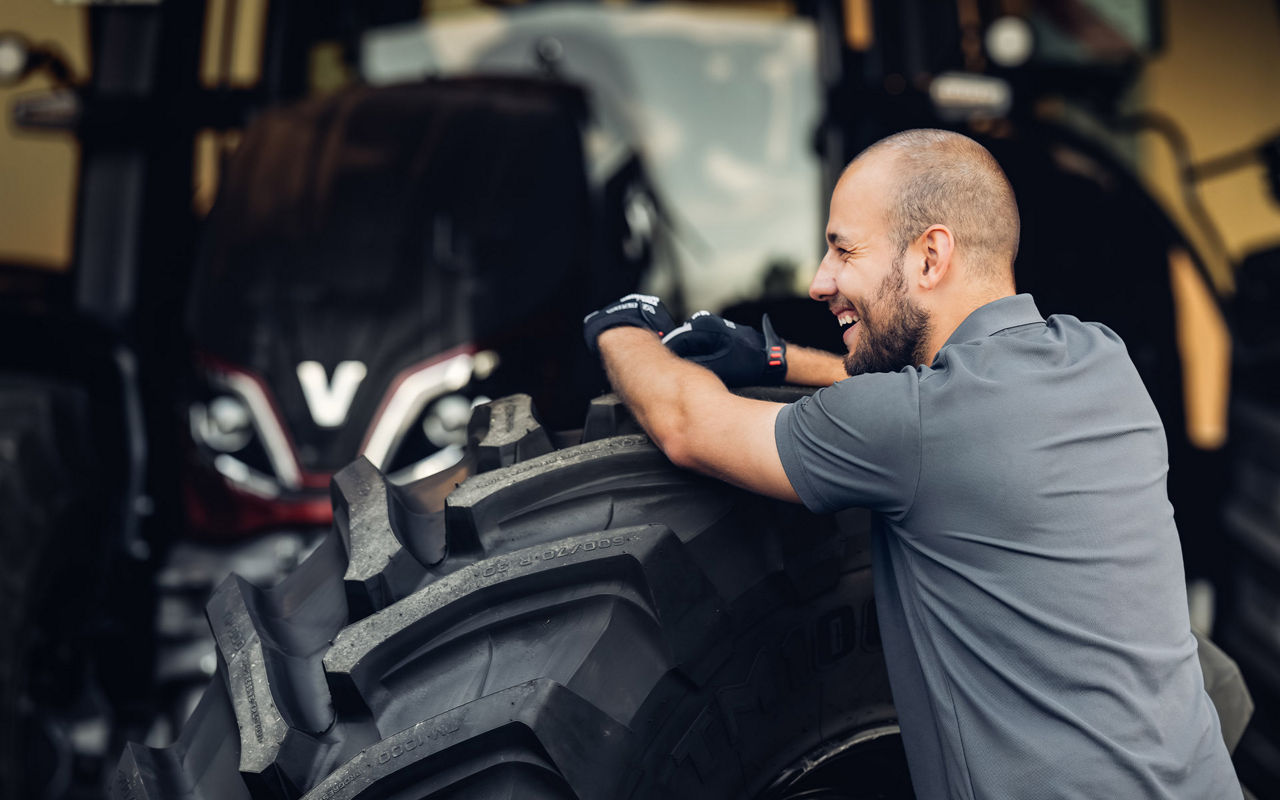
[[775, 354]]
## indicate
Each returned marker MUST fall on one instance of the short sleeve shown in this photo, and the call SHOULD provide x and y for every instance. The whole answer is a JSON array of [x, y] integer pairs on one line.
[[855, 443]]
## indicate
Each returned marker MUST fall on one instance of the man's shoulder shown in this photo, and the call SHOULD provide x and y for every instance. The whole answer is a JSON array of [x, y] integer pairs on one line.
[[1070, 322], [1026, 369], [854, 443], [1059, 340]]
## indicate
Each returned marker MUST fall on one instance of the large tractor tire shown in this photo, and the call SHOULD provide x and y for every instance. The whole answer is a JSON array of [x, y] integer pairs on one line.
[[51, 580], [587, 622]]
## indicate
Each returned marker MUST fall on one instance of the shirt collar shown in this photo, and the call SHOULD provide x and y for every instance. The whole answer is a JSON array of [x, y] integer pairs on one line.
[[998, 315]]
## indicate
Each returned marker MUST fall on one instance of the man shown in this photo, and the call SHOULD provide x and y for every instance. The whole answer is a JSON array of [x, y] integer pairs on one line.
[[1028, 576]]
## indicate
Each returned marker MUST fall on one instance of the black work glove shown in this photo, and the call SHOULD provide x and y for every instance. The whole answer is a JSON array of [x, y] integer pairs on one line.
[[635, 310], [738, 355]]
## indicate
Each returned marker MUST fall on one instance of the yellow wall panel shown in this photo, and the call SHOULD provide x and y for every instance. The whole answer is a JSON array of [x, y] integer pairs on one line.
[[38, 171], [1217, 79]]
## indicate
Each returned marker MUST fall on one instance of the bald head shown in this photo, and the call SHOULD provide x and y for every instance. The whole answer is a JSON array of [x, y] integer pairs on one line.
[[945, 178]]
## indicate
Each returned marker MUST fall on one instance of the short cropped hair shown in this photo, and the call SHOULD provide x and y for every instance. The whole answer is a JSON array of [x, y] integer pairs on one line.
[[946, 178]]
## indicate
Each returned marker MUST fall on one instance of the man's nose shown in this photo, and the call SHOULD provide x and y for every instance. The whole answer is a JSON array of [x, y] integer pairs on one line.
[[823, 285]]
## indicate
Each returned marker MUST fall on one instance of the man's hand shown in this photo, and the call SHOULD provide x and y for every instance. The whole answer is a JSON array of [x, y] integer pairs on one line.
[[738, 355], [635, 311]]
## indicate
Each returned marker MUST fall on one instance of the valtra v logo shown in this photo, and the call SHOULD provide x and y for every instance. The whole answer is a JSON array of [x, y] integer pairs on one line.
[[330, 400]]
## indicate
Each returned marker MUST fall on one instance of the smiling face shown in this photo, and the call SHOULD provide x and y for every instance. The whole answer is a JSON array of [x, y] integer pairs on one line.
[[861, 277]]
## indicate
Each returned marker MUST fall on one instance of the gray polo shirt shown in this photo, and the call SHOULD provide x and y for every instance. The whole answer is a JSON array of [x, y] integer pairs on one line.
[[1027, 571]]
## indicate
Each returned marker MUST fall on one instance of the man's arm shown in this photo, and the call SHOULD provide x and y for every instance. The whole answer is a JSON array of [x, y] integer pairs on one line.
[[809, 367], [692, 417]]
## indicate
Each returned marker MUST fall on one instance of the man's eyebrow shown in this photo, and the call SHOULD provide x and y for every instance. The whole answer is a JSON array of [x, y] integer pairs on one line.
[[839, 240]]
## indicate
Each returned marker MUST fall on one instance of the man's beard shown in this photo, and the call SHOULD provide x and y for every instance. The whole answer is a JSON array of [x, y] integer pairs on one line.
[[895, 331]]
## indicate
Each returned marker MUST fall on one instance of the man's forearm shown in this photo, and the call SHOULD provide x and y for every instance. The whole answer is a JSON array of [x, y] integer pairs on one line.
[[809, 367], [692, 417], [660, 388]]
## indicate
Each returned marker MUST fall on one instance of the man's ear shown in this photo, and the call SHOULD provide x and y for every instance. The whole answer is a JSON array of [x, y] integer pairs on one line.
[[937, 245]]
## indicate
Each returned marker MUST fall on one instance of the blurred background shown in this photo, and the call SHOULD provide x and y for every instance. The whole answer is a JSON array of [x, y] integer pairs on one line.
[[243, 242]]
